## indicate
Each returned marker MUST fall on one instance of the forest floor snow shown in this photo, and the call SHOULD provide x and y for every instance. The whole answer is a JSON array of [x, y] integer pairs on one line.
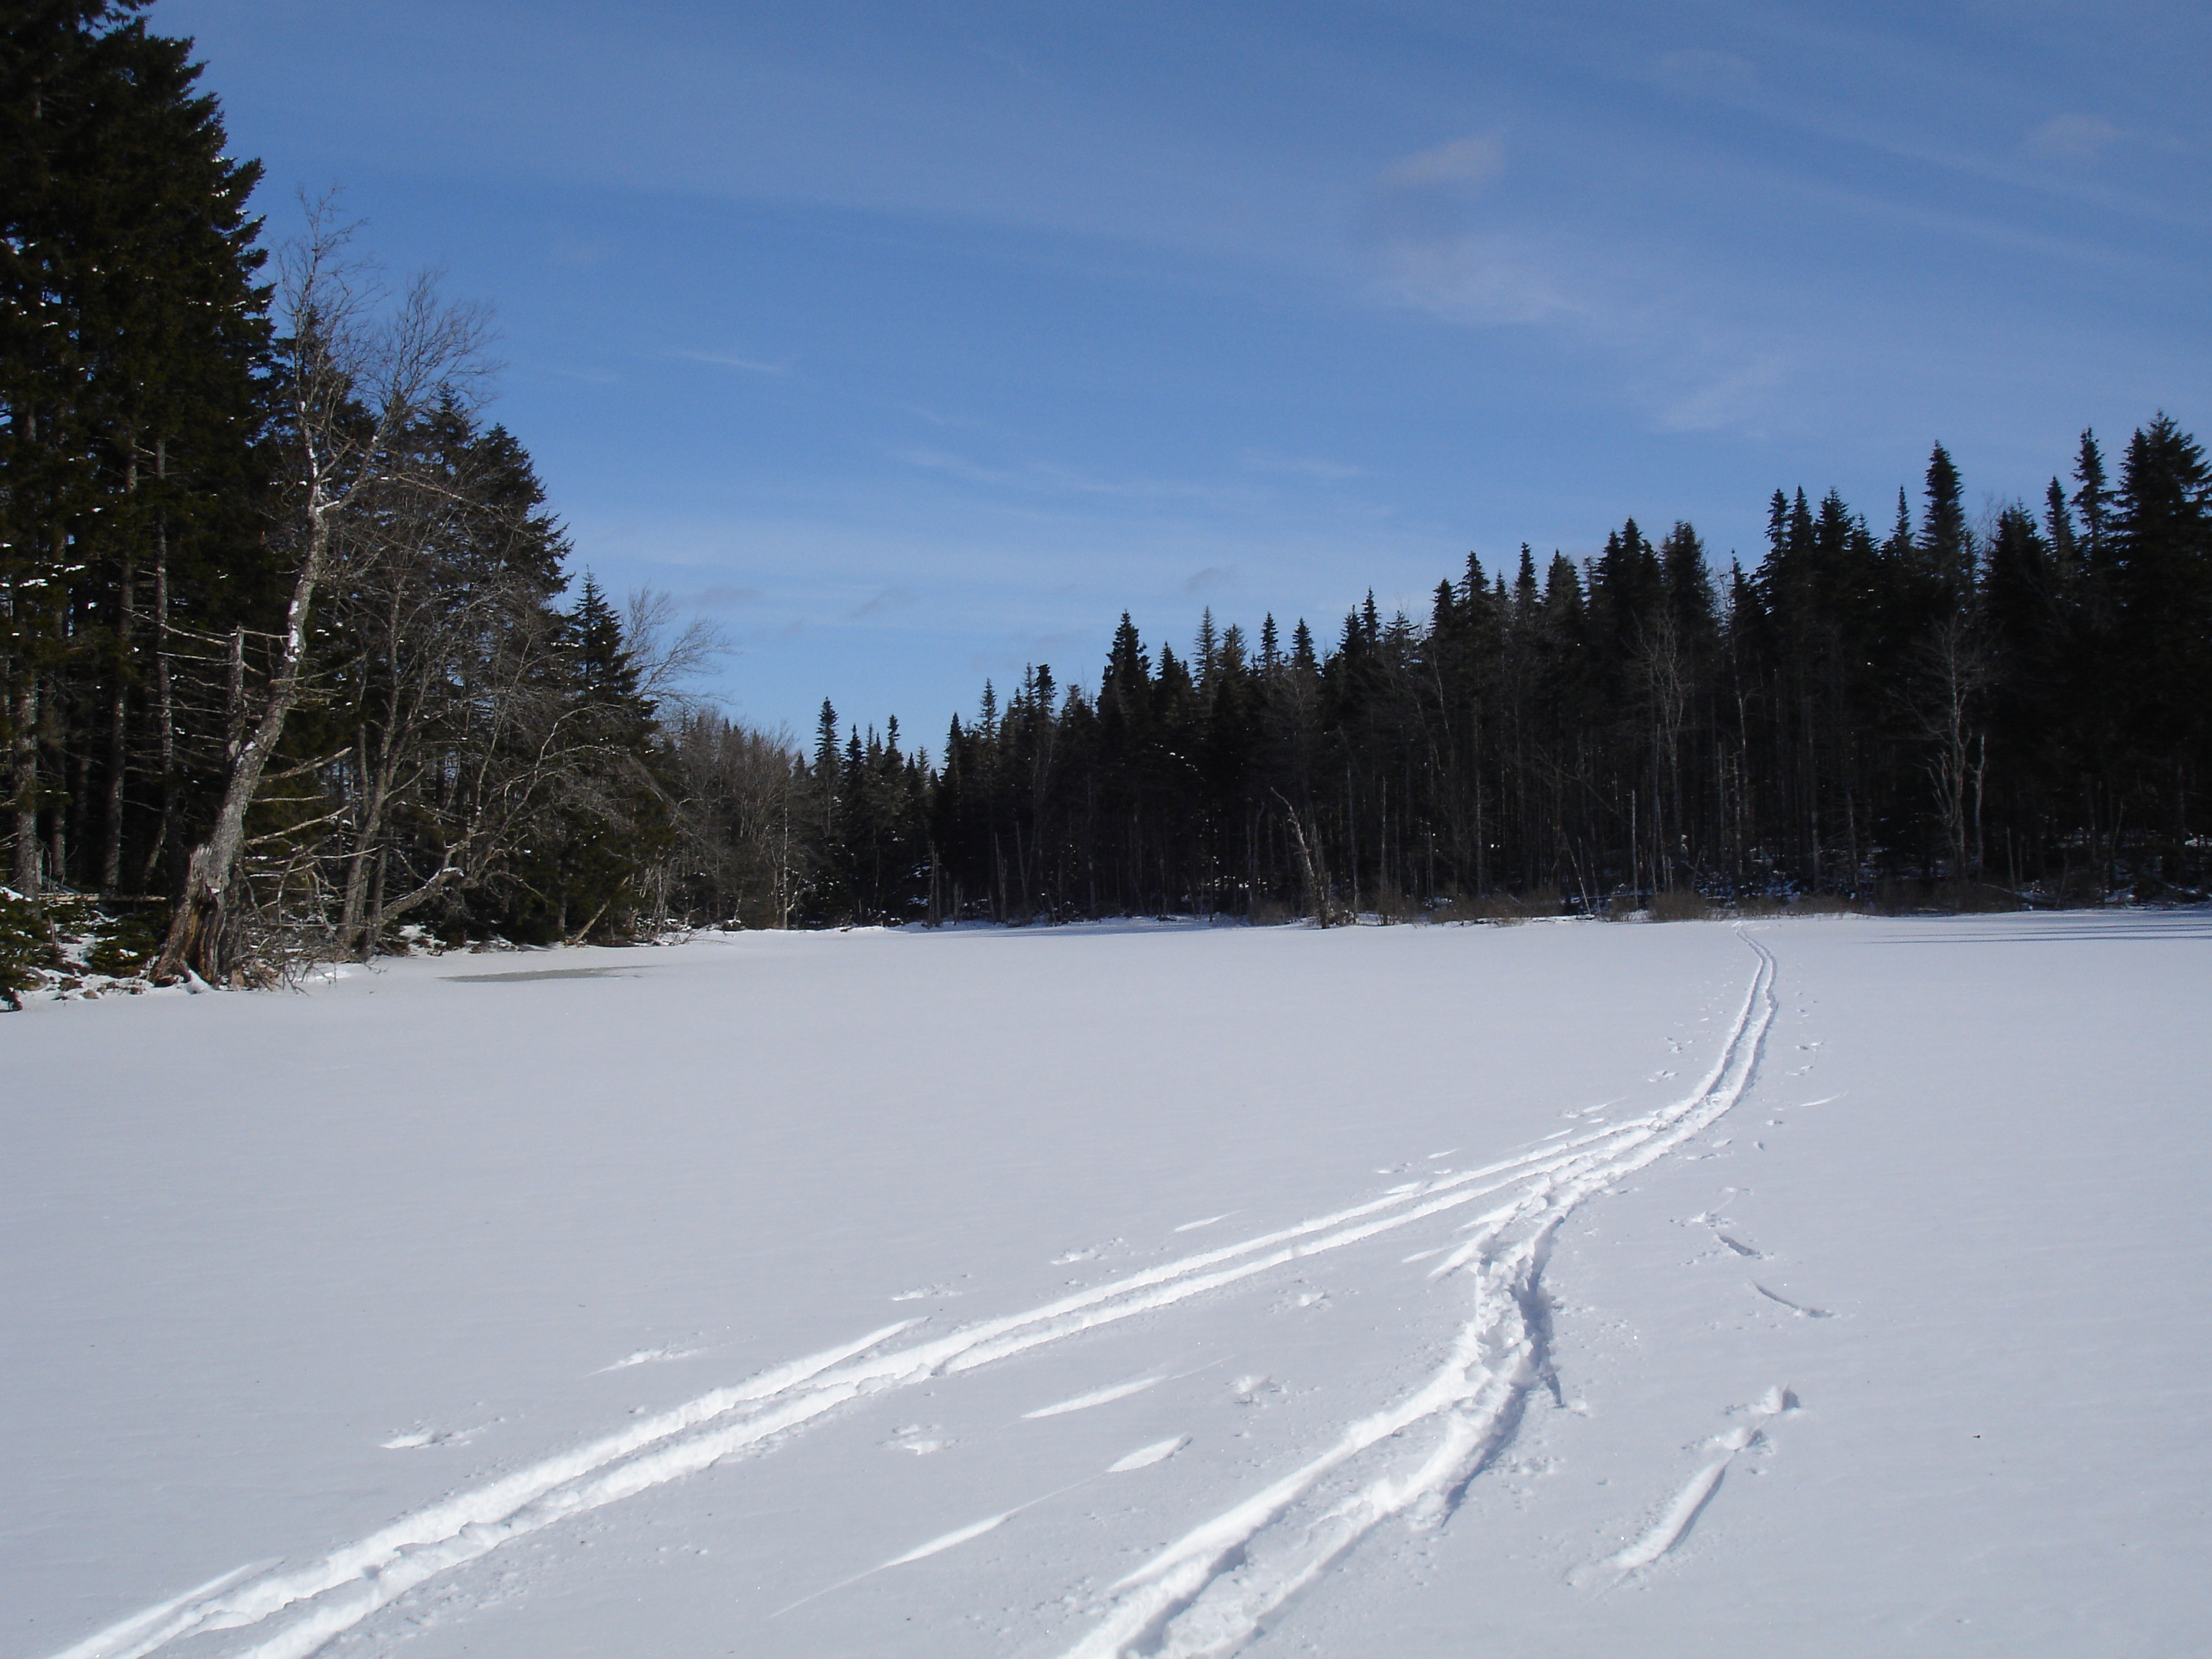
[[1812, 1287]]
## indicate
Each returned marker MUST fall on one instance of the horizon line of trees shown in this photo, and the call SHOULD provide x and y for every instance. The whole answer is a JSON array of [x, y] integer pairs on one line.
[[2022, 704]]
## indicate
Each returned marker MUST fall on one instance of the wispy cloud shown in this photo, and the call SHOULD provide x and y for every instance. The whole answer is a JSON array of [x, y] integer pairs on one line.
[[960, 422], [1739, 398], [727, 360], [886, 601], [1432, 193], [1474, 277], [958, 466], [1213, 577], [2072, 138], [1051, 478], [1473, 159], [1677, 352], [725, 596], [1439, 251]]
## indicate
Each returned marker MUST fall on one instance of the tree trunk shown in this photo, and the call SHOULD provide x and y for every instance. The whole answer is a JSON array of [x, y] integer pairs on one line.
[[195, 942], [24, 758], [119, 742], [165, 715]]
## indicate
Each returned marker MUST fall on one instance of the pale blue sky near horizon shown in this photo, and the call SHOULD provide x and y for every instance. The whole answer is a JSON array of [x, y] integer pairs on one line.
[[913, 343]]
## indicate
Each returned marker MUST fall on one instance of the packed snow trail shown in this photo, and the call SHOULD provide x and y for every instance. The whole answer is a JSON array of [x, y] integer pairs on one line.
[[1207, 1593]]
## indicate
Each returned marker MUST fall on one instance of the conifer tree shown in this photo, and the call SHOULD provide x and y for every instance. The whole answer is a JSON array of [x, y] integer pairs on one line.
[[131, 334], [1946, 543]]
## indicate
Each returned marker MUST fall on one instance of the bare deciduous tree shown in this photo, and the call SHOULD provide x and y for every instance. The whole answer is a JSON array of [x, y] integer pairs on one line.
[[1954, 670], [356, 375]]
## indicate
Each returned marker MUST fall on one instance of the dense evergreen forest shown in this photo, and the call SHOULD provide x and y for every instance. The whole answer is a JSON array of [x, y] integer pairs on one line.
[[291, 661], [1950, 711]]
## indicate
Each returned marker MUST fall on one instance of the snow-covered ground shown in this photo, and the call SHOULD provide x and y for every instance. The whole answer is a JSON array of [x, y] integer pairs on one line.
[[1818, 1287]]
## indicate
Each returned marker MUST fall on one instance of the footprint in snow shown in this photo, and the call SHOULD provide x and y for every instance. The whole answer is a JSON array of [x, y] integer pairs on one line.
[[1800, 1308]]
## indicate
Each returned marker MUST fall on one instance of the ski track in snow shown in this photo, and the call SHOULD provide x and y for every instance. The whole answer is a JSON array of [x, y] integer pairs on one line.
[[1208, 1592], [1211, 1590]]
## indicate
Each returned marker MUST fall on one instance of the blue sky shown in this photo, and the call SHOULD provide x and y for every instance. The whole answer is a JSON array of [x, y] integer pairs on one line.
[[914, 341]]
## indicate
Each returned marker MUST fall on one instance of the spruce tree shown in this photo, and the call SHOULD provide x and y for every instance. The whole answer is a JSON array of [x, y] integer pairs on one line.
[[131, 336], [1946, 543], [2093, 499], [2162, 557]]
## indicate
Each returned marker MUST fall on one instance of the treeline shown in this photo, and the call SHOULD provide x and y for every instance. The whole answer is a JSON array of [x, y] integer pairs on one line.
[[1965, 711], [287, 661]]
